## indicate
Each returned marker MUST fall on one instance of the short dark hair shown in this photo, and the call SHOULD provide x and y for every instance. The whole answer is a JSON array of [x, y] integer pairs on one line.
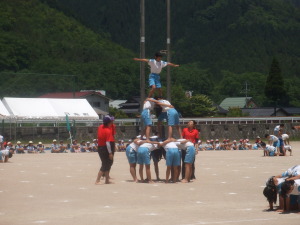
[[285, 187], [263, 144], [266, 135], [158, 54]]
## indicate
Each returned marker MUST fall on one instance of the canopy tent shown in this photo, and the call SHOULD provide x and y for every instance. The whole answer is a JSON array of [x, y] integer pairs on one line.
[[49, 108], [3, 111]]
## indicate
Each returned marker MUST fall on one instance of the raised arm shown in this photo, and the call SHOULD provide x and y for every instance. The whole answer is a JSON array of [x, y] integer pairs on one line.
[[141, 60], [172, 64]]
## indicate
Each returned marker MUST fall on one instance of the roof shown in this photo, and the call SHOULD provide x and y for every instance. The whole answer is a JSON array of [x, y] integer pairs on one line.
[[220, 109], [235, 102], [3, 111], [292, 110], [99, 111], [78, 94], [256, 112], [116, 103], [49, 108]]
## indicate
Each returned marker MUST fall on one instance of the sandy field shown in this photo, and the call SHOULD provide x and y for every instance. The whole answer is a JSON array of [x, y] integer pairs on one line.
[[59, 189]]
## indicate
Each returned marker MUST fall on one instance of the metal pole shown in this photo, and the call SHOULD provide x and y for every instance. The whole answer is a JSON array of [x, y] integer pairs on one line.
[[142, 53], [168, 50]]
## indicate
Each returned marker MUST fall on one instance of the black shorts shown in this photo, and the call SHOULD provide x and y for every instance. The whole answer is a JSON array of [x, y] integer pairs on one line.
[[104, 156]]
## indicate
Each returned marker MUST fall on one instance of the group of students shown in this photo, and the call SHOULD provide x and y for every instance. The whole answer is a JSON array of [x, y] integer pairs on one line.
[[287, 187], [278, 143], [226, 144]]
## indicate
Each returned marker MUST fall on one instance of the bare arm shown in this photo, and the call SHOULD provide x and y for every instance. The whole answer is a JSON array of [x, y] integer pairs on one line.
[[172, 64], [141, 60]]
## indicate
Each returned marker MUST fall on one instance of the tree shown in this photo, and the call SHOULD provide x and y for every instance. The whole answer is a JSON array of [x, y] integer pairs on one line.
[[274, 88]]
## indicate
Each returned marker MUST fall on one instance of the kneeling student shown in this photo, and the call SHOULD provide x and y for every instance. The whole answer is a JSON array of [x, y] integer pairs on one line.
[[5, 155]]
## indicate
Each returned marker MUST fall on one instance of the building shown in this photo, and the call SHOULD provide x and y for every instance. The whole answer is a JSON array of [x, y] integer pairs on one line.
[[238, 102], [97, 100], [131, 107]]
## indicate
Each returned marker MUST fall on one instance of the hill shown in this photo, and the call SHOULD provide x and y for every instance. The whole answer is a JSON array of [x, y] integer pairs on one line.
[[237, 35], [35, 38]]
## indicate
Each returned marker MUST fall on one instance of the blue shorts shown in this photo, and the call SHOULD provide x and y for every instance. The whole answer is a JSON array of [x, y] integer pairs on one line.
[[276, 143], [173, 157], [0, 155], [154, 79], [146, 117], [131, 155], [143, 156], [190, 155], [173, 117]]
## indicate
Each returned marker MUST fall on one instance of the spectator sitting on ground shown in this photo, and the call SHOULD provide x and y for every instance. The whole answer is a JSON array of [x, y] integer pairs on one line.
[[5, 155], [241, 145], [83, 146], [228, 144], [75, 147], [41, 147], [212, 142], [89, 147], [200, 146], [217, 145], [234, 145], [257, 144], [95, 145], [31, 148], [19, 148], [121, 146], [248, 144], [62, 147], [55, 147], [208, 146]]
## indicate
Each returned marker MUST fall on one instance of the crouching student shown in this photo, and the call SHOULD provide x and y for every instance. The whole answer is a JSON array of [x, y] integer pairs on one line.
[[131, 153], [5, 155], [143, 157], [269, 150], [288, 148], [189, 148], [173, 158], [291, 185]]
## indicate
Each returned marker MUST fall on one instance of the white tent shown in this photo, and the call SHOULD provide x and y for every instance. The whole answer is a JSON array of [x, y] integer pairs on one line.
[[3, 111], [49, 108]]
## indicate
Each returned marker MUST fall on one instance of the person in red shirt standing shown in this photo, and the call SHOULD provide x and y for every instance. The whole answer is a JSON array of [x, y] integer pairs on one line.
[[106, 147], [192, 134]]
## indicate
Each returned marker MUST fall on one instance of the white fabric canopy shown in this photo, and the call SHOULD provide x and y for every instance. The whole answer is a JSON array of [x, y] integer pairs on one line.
[[3, 111], [49, 108]]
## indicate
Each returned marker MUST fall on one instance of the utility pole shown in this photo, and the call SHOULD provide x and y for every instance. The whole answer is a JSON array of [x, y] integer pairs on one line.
[[142, 53], [168, 49]]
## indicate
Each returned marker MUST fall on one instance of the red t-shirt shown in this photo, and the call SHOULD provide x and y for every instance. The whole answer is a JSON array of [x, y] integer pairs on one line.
[[105, 134], [191, 135]]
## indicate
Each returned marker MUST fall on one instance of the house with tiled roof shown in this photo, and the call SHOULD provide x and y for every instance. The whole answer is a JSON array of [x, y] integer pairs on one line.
[[238, 102], [97, 99], [264, 112]]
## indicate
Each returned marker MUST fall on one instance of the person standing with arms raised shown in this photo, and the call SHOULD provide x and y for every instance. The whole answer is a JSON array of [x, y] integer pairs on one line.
[[106, 147]]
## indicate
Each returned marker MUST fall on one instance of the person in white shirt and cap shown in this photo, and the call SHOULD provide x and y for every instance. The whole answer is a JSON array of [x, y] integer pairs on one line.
[[19, 148]]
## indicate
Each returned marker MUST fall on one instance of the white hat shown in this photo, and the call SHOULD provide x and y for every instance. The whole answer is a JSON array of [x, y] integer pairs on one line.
[[18, 142], [94, 140], [139, 136], [8, 143], [88, 142], [30, 142], [40, 143], [54, 140]]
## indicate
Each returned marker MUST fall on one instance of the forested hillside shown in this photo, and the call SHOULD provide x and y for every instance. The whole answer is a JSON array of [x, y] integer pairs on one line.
[[220, 45], [38, 39]]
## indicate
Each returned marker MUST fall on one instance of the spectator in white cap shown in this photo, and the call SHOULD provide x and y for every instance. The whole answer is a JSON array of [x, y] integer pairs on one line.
[[41, 147], [31, 148], [95, 145], [217, 145], [19, 148], [234, 145], [55, 147], [257, 144]]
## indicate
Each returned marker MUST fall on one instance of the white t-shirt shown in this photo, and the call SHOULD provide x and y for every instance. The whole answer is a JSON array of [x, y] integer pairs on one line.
[[148, 105], [296, 190], [165, 108], [273, 138], [1, 138], [185, 145], [293, 171], [150, 146], [5, 152], [134, 146], [270, 148], [285, 136], [155, 66]]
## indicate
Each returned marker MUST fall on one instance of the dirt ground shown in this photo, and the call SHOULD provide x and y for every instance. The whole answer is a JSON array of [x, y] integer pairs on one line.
[[59, 189]]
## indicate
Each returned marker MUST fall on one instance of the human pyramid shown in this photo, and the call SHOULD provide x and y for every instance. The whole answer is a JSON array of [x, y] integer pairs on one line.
[[144, 147]]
